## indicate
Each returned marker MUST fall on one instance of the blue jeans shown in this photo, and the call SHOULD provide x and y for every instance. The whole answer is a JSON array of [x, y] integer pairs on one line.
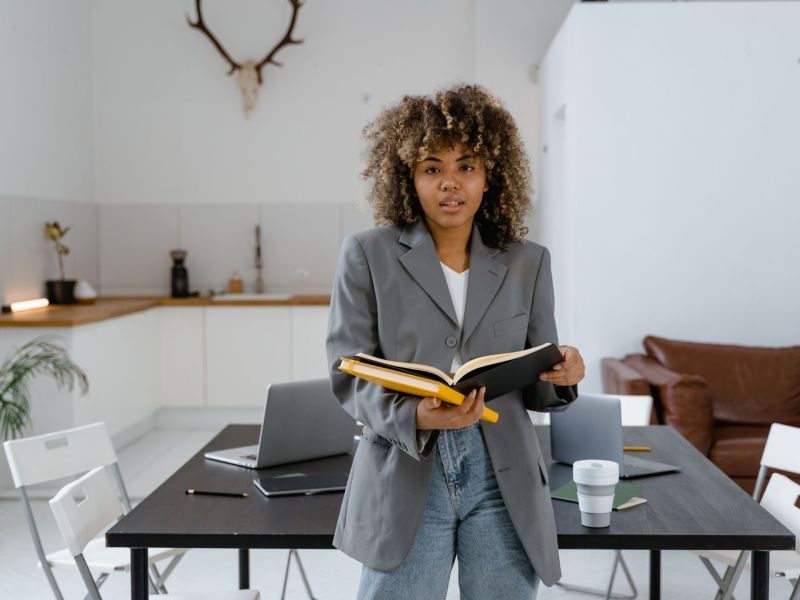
[[464, 517]]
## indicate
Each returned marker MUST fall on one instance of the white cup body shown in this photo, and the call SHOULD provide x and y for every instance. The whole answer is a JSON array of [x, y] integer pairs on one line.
[[596, 481]]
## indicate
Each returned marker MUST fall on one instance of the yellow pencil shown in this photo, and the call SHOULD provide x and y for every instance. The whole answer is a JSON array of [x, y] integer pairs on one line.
[[636, 448]]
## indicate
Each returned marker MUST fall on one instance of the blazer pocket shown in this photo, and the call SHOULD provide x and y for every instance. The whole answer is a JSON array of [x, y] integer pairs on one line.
[[374, 439], [511, 325], [543, 470]]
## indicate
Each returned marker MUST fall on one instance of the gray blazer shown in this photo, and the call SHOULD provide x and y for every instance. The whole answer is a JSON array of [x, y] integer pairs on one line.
[[391, 299]]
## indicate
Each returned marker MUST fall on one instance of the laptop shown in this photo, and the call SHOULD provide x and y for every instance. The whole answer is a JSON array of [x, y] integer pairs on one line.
[[302, 420], [591, 427]]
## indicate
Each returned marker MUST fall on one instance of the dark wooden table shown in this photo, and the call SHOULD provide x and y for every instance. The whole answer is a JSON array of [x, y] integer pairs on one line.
[[698, 508]]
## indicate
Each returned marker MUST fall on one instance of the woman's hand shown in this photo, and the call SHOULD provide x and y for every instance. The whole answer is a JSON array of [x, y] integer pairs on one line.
[[566, 373], [432, 413]]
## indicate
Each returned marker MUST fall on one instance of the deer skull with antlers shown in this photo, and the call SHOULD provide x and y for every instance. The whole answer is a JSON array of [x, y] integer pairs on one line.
[[249, 72]]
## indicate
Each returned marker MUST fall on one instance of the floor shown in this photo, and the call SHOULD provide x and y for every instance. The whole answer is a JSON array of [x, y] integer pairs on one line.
[[333, 576]]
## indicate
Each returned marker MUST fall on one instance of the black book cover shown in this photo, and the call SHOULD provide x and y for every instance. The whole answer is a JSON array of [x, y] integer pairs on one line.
[[513, 375]]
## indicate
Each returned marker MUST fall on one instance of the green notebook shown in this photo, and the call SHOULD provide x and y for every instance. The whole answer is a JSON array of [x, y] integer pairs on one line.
[[624, 497]]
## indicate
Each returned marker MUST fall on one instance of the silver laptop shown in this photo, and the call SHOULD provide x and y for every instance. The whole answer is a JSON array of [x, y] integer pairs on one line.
[[302, 420], [591, 427]]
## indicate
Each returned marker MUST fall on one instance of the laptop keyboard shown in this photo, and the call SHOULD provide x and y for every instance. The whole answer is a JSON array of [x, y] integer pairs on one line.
[[634, 470], [633, 466]]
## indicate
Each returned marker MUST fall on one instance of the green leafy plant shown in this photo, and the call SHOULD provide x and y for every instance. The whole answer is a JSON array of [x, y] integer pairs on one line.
[[55, 233], [45, 355]]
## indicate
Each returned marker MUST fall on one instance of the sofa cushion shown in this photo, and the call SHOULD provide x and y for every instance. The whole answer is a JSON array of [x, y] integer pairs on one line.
[[747, 384], [737, 450]]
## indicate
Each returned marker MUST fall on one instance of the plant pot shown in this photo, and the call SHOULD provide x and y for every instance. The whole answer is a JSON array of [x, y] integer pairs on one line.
[[61, 291]]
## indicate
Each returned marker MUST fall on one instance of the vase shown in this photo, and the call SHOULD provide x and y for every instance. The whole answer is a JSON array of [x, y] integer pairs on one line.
[[61, 291]]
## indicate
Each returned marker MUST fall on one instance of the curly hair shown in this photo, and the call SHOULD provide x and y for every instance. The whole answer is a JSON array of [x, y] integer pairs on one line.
[[405, 133]]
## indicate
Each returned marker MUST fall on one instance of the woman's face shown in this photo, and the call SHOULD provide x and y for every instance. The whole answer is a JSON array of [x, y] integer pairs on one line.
[[450, 186]]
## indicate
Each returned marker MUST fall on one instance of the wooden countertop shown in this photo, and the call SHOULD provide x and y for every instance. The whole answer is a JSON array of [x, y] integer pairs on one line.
[[108, 308]]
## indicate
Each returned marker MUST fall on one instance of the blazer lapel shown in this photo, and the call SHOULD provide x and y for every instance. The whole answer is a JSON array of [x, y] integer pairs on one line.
[[485, 277], [423, 265]]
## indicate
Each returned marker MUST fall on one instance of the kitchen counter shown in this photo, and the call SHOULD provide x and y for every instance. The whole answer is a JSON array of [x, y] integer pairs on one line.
[[69, 315]]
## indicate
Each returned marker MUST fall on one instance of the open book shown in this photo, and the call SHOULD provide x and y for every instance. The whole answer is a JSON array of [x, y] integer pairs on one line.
[[499, 373]]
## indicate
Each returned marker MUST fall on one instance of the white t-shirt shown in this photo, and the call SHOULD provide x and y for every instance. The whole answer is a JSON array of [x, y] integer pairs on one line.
[[457, 284]]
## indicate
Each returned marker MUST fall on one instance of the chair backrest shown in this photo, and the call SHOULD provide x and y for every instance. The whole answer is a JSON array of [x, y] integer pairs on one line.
[[60, 454], [55, 456], [636, 410], [780, 499], [782, 450], [84, 508]]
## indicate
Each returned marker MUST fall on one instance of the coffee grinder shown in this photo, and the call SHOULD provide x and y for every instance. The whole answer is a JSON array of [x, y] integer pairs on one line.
[[180, 276]]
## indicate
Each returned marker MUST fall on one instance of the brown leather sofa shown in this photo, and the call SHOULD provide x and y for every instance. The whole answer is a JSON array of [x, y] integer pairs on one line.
[[722, 398]]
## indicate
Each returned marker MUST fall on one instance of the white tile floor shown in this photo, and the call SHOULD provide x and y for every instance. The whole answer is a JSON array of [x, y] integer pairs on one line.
[[150, 460]]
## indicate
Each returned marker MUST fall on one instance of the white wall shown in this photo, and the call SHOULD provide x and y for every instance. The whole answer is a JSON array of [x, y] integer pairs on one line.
[[172, 140], [45, 78], [169, 121], [144, 120], [504, 51], [554, 173], [679, 184], [45, 142]]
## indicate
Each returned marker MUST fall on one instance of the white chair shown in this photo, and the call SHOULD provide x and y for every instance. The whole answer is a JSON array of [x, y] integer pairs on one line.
[[89, 505], [781, 452], [65, 454], [635, 411]]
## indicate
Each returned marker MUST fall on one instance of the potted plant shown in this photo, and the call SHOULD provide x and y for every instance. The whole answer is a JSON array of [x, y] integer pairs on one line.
[[44, 355], [59, 291]]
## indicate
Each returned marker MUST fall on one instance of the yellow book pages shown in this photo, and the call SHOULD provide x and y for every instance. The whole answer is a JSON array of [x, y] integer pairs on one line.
[[406, 365], [409, 384]]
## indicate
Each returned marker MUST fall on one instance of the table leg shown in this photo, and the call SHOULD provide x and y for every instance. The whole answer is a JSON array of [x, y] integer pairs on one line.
[[244, 568], [139, 583], [655, 574], [759, 577]]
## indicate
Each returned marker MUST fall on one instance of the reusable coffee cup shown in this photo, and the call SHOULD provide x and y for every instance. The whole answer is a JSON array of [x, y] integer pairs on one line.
[[596, 481]]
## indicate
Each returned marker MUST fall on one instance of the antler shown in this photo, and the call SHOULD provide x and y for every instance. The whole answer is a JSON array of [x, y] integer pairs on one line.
[[201, 25], [287, 39], [249, 72]]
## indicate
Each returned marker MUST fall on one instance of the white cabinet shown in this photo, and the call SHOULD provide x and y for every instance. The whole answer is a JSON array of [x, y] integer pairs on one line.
[[309, 328], [247, 348], [177, 357], [173, 357], [121, 360], [183, 356], [51, 407], [120, 357]]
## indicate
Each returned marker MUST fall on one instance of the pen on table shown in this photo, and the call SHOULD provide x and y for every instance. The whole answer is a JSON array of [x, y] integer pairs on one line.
[[208, 493], [636, 448]]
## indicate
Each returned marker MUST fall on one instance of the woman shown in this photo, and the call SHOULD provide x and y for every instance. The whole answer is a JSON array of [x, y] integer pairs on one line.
[[447, 278]]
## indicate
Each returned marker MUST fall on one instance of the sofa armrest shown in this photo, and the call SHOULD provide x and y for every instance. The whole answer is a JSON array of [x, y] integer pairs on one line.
[[619, 378], [684, 399]]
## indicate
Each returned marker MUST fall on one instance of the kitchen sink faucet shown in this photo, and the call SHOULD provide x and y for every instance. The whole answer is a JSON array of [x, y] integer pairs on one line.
[[259, 285]]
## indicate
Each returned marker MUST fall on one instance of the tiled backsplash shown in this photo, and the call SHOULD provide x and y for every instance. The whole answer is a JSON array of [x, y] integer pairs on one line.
[[27, 258], [124, 249]]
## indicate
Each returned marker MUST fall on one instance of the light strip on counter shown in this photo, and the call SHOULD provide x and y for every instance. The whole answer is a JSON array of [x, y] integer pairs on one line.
[[23, 305]]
